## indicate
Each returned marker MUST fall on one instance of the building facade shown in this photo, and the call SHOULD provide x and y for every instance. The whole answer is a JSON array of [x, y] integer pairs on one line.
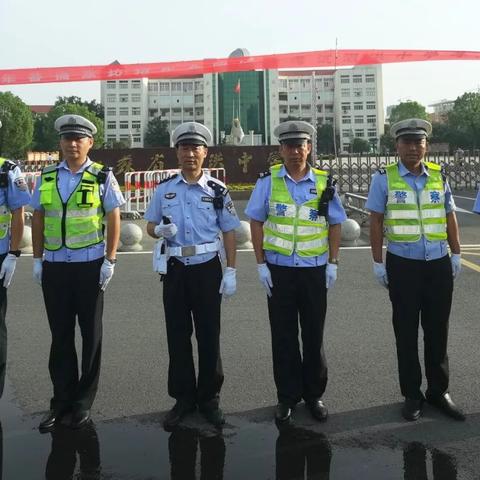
[[351, 100]]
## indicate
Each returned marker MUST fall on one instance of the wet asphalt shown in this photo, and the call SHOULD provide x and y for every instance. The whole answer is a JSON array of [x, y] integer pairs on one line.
[[364, 437]]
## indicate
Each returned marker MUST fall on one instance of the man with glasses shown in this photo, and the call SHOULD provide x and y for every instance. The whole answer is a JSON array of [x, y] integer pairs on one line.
[[412, 205], [295, 220], [190, 211]]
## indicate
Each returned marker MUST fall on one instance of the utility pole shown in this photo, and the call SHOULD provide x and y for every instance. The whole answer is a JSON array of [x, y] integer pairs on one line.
[[314, 120]]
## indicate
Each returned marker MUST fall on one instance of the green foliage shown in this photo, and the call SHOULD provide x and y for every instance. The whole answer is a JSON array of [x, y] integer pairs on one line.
[[325, 139], [360, 145], [17, 131], [157, 133], [47, 139], [241, 187], [93, 106], [405, 110], [464, 120], [387, 143]]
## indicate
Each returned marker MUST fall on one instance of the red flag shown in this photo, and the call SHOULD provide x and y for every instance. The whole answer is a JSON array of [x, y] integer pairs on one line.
[[237, 87]]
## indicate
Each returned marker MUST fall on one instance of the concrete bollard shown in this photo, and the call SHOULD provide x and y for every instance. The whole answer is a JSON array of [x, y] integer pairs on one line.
[[242, 235], [26, 241], [350, 233], [130, 237]]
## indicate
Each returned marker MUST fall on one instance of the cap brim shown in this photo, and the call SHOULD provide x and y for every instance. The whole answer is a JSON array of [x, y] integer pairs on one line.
[[294, 141], [414, 135], [80, 132]]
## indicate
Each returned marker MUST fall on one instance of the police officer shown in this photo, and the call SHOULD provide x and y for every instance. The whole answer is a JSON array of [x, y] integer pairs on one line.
[[73, 261], [295, 219], [14, 195], [412, 203], [189, 211]]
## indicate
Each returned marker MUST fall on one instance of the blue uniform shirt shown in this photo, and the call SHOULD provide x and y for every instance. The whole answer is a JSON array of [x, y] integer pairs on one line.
[[423, 249], [476, 207], [301, 192], [190, 208], [14, 196], [67, 183]]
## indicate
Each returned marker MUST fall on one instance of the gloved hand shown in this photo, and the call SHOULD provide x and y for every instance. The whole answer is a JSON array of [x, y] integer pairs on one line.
[[331, 274], [37, 270], [228, 286], [456, 260], [8, 268], [380, 273], [265, 277], [165, 230], [106, 273]]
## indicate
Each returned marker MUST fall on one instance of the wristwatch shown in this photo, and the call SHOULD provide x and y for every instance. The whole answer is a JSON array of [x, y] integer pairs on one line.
[[334, 261], [113, 261], [17, 253]]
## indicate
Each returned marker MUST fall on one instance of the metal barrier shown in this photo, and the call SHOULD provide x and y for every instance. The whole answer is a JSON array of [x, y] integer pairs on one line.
[[31, 179], [356, 203], [140, 186]]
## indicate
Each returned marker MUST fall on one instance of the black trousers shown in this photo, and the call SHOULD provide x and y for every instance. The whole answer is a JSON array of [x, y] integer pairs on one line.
[[415, 463], [71, 291], [190, 294], [421, 291], [298, 294], [3, 331]]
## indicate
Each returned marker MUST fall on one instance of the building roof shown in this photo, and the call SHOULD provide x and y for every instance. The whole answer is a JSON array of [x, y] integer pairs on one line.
[[40, 108]]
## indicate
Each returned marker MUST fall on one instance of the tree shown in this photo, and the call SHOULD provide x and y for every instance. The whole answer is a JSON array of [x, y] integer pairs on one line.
[[405, 110], [387, 144], [17, 131], [325, 139], [157, 133], [47, 139], [464, 119], [92, 105], [360, 145]]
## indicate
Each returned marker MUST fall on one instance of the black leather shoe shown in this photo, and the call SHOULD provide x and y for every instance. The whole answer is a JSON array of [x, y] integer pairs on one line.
[[48, 421], [177, 414], [446, 405], [412, 409], [214, 416], [79, 418], [318, 410], [283, 413]]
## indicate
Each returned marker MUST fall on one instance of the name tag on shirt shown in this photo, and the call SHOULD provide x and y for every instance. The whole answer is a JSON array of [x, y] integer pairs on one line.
[[207, 199], [171, 195]]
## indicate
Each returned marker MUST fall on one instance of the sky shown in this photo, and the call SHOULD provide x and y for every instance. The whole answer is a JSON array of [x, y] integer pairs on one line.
[[55, 33]]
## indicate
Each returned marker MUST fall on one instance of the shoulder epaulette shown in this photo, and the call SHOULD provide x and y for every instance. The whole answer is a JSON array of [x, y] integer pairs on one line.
[[8, 165], [264, 174], [217, 187], [381, 171], [171, 177]]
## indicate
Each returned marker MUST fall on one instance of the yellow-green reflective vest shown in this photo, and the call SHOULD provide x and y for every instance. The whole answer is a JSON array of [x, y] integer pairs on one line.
[[78, 222], [408, 216], [290, 227], [5, 214]]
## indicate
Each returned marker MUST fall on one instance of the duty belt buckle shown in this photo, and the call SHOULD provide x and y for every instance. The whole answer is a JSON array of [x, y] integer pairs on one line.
[[188, 251]]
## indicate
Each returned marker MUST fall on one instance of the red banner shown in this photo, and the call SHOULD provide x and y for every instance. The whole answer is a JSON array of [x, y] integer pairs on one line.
[[301, 60]]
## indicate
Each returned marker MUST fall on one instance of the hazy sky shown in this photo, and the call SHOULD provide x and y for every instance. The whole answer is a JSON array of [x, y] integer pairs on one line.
[[58, 33]]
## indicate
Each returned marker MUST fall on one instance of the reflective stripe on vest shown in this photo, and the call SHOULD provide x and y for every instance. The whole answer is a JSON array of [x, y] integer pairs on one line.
[[290, 227], [408, 216], [5, 214], [77, 223]]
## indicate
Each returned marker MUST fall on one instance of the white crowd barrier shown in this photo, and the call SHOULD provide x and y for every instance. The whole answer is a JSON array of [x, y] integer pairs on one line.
[[140, 186], [31, 179]]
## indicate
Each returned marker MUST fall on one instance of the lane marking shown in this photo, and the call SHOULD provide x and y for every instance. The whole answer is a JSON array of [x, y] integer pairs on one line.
[[471, 265], [464, 198], [462, 210], [476, 254]]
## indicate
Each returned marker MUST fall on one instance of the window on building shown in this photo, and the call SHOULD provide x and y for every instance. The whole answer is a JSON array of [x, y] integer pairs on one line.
[[283, 111], [111, 84], [136, 84], [327, 83], [345, 92], [136, 124], [153, 87], [176, 86], [357, 92], [198, 86], [152, 112], [135, 111], [344, 79], [294, 109], [164, 112], [176, 112], [370, 92], [346, 133], [111, 138], [187, 87], [283, 83], [111, 98], [358, 118], [319, 108], [359, 133], [199, 112], [306, 108], [357, 79], [137, 139], [136, 97], [305, 84], [329, 120], [371, 119], [111, 125], [164, 87], [369, 78], [358, 105], [328, 108], [283, 96], [293, 85], [123, 97], [123, 84], [111, 111], [372, 132], [198, 98], [345, 107], [346, 120], [123, 111], [124, 125], [371, 106]]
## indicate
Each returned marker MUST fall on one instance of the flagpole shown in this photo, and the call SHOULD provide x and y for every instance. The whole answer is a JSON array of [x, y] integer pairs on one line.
[[239, 90]]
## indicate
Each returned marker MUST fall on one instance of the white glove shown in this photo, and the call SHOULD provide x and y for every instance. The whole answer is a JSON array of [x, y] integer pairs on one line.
[[331, 274], [228, 286], [106, 274], [380, 273], [265, 277], [456, 260], [8, 268], [37, 270], [165, 230]]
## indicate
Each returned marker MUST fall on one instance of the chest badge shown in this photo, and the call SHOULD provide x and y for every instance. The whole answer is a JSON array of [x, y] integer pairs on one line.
[[170, 195]]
